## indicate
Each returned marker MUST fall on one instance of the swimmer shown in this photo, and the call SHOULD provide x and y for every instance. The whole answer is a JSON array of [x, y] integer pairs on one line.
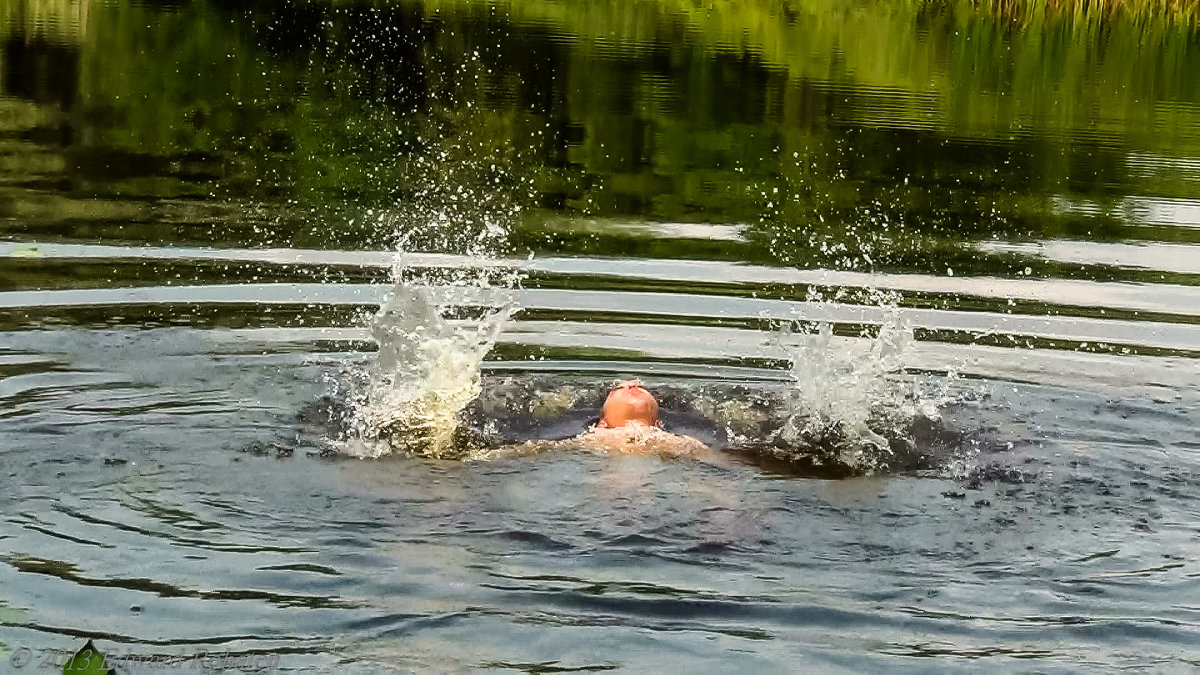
[[629, 425]]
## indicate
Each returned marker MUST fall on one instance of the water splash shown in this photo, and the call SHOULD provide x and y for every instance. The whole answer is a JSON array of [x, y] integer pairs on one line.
[[850, 406], [437, 324], [427, 370], [453, 189]]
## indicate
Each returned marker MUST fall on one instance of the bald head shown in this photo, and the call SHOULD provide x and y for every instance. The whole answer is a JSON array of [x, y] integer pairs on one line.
[[629, 403]]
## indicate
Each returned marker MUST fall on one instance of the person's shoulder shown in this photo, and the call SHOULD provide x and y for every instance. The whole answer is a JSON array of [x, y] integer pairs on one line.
[[642, 441], [676, 445], [627, 440], [611, 439]]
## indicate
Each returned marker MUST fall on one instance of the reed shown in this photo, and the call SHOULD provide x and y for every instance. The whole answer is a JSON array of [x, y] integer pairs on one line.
[[59, 20], [1036, 11]]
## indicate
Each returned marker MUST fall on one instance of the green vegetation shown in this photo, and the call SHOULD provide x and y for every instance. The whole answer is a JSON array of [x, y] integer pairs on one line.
[[834, 128], [1036, 11], [64, 20], [89, 660]]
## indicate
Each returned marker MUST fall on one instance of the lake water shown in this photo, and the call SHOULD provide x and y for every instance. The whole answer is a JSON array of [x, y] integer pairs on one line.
[[928, 277]]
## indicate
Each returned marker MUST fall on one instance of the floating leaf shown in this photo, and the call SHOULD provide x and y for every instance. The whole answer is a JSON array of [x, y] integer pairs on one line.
[[89, 660]]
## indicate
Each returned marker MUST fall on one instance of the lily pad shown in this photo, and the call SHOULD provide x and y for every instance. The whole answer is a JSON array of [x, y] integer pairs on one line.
[[89, 660]]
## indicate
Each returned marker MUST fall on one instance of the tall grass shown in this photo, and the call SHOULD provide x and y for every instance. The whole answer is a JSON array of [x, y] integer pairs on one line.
[[1036, 11], [58, 20]]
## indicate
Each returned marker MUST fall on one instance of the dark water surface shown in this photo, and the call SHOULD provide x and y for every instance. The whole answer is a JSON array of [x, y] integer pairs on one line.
[[201, 203]]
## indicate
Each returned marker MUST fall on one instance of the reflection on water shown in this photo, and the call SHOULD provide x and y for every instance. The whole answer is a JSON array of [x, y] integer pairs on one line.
[[946, 246]]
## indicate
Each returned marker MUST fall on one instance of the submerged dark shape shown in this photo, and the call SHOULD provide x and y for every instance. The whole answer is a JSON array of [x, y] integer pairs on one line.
[[829, 451]]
